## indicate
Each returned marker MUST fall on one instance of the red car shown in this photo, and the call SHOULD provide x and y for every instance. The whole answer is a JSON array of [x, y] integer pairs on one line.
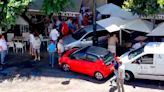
[[93, 61]]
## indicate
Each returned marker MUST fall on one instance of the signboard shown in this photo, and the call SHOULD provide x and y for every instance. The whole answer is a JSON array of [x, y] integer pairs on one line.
[[157, 17]]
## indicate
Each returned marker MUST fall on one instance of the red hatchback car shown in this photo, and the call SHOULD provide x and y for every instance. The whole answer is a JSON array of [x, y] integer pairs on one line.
[[93, 61]]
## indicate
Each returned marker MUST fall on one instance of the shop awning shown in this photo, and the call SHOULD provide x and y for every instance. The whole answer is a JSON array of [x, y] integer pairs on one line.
[[36, 6], [158, 31]]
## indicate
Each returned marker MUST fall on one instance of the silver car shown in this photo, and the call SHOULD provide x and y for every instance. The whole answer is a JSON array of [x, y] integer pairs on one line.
[[84, 36]]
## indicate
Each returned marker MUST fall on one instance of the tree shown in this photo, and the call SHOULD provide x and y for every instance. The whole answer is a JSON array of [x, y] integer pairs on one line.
[[10, 9], [144, 7], [55, 6]]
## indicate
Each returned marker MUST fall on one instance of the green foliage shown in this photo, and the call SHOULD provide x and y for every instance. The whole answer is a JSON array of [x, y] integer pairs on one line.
[[12, 8], [55, 6], [144, 7]]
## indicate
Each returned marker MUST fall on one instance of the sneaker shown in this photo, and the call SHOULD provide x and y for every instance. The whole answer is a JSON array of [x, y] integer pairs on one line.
[[3, 63], [35, 59], [1, 68], [38, 58]]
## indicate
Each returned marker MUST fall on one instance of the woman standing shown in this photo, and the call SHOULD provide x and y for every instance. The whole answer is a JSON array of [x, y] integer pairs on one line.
[[3, 49]]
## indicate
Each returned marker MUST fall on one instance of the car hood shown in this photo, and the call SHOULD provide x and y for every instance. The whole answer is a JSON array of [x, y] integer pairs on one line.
[[68, 39]]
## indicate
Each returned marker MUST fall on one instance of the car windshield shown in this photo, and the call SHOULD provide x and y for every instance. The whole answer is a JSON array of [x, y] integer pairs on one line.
[[108, 58], [78, 34], [136, 52]]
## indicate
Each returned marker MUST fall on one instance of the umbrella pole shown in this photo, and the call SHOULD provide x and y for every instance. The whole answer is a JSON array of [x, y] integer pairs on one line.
[[120, 36]]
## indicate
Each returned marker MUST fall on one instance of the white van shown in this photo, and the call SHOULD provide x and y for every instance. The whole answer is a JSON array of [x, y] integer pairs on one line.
[[146, 62]]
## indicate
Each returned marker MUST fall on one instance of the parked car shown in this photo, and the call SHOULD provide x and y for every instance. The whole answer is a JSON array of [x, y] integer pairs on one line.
[[93, 61], [84, 36], [146, 62]]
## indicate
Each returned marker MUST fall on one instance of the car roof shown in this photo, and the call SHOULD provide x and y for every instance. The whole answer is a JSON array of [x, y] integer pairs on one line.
[[98, 51], [154, 47], [89, 28]]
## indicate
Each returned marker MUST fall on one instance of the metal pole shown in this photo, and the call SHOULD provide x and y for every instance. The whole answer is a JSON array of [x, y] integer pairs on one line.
[[95, 39], [120, 37]]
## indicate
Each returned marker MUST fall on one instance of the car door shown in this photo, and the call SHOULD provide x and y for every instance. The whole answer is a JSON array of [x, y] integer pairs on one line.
[[89, 65], [147, 66], [158, 59], [77, 61], [87, 40]]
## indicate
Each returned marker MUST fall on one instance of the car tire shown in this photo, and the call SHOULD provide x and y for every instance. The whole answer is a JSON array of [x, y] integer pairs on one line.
[[66, 67], [98, 75], [129, 76]]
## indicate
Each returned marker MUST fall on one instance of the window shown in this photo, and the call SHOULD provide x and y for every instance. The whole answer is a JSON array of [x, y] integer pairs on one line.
[[79, 56], [147, 59], [78, 34], [108, 58], [89, 36], [91, 58], [136, 52]]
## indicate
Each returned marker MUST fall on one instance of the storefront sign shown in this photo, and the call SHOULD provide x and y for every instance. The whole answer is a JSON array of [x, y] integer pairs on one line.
[[157, 17]]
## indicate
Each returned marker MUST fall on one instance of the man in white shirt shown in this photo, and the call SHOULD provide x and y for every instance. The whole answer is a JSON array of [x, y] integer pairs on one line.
[[120, 78], [54, 34], [138, 45], [3, 49]]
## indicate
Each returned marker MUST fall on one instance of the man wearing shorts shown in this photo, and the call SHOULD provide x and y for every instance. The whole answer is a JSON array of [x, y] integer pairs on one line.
[[112, 42]]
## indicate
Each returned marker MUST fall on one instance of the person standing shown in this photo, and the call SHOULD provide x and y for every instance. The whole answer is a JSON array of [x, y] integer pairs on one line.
[[115, 69], [112, 42], [31, 40], [120, 78], [54, 34], [3, 49], [36, 46], [60, 47], [51, 50], [138, 45]]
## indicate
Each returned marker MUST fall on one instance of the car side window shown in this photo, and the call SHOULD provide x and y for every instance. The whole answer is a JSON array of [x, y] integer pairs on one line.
[[89, 37], [147, 59], [79, 56], [91, 58]]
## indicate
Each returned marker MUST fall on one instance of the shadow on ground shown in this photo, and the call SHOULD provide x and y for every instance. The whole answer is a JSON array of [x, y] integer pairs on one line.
[[22, 66]]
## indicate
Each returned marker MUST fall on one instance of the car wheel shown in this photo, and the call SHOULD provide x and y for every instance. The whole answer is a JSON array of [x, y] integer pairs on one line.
[[66, 67], [99, 76], [129, 76]]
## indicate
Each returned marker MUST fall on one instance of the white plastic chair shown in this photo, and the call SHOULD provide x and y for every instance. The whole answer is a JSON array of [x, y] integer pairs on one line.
[[20, 46], [11, 45]]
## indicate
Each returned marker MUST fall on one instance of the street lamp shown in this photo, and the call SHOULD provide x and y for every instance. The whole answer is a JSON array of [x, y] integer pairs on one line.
[[95, 39]]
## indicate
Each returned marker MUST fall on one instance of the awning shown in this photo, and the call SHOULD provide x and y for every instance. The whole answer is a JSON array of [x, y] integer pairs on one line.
[[36, 6], [115, 11], [112, 24], [158, 31], [139, 25]]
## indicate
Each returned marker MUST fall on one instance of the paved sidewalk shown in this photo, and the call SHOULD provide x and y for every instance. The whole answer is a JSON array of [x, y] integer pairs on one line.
[[22, 74]]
